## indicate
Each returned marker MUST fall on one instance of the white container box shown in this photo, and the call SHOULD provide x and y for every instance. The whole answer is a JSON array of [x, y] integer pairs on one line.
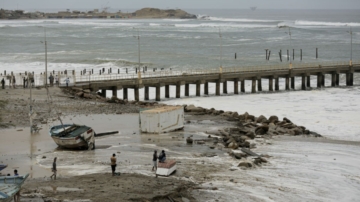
[[163, 119]]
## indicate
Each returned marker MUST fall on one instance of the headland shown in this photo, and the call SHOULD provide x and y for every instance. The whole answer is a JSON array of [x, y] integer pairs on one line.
[[145, 13]]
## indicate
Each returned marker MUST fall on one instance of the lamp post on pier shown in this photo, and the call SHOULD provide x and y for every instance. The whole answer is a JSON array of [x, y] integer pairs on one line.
[[138, 38], [290, 64], [351, 33], [221, 52], [45, 43]]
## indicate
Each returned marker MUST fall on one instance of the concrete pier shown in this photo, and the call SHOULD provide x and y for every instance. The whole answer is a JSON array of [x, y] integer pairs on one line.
[[236, 75]]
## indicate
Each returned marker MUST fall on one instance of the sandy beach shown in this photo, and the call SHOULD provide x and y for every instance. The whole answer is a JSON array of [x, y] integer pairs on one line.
[[204, 173]]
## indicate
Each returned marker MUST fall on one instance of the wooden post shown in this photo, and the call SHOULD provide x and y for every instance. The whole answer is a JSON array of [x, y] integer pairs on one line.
[[287, 82], [271, 83], [337, 79], [243, 86], [167, 91], [236, 86], [319, 80], [269, 54], [323, 80], [118, 71], [293, 54], [187, 89], [288, 57], [103, 93], [300, 54], [316, 53], [308, 81], [259, 85], [225, 87], [280, 56], [206, 88], [303, 82], [136, 93], [217, 87], [277, 84], [158, 93], [266, 54], [198, 90], [351, 79], [178, 90], [146, 93], [114, 91], [253, 86], [125, 93], [333, 79], [293, 82]]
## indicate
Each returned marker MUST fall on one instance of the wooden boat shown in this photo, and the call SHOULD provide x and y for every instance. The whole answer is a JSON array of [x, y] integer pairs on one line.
[[73, 136], [2, 167], [10, 185], [166, 168]]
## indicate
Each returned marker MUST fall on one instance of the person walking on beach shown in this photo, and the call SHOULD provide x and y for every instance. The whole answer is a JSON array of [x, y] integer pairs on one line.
[[155, 158], [14, 82], [53, 169], [2, 83], [162, 157], [56, 80], [67, 81], [113, 164]]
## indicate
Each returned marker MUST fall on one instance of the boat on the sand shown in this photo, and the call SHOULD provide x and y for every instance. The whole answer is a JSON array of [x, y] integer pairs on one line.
[[166, 168], [2, 167], [10, 185], [72, 136]]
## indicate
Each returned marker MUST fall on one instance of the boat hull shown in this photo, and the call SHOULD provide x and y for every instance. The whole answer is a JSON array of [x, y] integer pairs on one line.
[[84, 139]]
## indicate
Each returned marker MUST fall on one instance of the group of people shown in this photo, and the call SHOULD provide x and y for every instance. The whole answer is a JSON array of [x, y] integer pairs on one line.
[[161, 158], [12, 82], [52, 79]]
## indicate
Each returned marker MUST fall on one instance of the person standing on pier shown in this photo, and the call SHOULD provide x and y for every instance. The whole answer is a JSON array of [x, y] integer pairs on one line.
[[53, 169], [2, 83], [67, 81], [113, 164], [56, 80], [14, 81]]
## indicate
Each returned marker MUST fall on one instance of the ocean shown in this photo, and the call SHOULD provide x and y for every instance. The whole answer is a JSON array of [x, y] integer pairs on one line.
[[181, 43]]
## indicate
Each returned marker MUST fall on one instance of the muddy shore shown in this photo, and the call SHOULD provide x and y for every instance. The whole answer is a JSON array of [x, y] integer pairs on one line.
[[206, 169]]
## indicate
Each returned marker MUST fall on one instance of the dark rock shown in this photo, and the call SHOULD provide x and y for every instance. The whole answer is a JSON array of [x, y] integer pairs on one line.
[[261, 119], [273, 119], [245, 164], [286, 120], [251, 135], [189, 140], [261, 130]]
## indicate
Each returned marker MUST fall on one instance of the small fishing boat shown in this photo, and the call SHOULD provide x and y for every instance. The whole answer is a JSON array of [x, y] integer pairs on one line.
[[166, 168], [2, 167], [10, 185], [72, 136]]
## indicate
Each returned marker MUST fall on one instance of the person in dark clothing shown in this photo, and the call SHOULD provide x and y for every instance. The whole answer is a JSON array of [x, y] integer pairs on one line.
[[155, 158], [53, 169], [113, 164], [24, 82], [162, 157], [3, 83]]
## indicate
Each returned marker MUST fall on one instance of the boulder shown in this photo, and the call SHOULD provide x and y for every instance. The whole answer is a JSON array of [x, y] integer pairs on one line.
[[261, 130], [244, 138], [250, 144], [87, 91], [246, 164], [189, 140], [286, 120], [239, 155], [261, 119], [235, 115], [233, 145], [192, 108], [273, 119], [80, 94], [251, 134], [87, 96]]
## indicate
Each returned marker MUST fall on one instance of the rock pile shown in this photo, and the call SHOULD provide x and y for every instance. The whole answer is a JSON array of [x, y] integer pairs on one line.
[[250, 130]]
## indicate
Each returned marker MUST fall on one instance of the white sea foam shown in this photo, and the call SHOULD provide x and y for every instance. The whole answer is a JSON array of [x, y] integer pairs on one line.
[[231, 25], [318, 23], [239, 20]]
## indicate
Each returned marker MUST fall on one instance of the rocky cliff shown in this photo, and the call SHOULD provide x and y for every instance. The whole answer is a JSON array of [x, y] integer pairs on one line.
[[158, 13]]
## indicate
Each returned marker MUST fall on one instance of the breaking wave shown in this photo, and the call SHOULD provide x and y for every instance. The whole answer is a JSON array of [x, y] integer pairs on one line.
[[318, 23]]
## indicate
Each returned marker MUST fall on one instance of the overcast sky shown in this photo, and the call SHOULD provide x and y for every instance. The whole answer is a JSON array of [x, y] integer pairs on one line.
[[184, 4]]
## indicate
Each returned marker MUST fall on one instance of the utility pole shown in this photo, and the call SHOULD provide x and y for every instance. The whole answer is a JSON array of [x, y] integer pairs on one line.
[[45, 43], [350, 32], [138, 38], [220, 47], [290, 64]]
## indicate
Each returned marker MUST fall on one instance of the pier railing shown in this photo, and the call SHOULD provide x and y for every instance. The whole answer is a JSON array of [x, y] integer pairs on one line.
[[39, 79]]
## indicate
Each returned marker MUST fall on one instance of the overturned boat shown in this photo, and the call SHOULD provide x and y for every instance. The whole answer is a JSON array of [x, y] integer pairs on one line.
[[10, 185], [72, 136]]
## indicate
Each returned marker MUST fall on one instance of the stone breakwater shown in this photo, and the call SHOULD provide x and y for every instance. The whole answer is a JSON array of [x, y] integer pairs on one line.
[[249, 132]]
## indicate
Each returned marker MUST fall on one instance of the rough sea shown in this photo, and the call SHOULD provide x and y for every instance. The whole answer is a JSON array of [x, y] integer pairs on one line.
[[181, 43]]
